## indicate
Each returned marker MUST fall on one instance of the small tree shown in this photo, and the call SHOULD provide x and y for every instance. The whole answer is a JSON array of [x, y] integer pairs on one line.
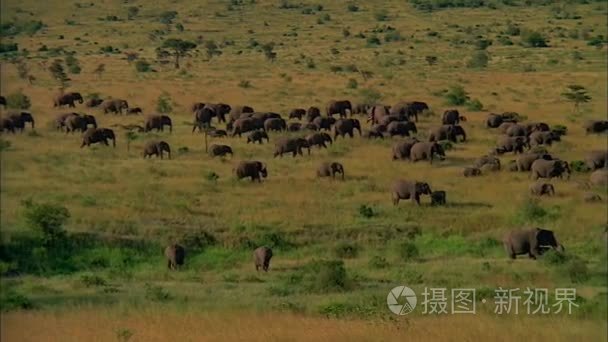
[[99, 70], [18, 100], [180, 48], [47, 220], [212, 49], [576, 94], [163, 104], [431, 60], [130, 137], [456, 96], [58, 73], [268, 51]]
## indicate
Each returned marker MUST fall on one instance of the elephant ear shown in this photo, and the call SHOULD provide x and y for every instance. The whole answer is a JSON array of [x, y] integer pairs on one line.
[[545, 237]]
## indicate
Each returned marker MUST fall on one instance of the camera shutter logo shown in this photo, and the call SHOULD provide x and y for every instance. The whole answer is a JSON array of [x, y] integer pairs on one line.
[[401, 300]]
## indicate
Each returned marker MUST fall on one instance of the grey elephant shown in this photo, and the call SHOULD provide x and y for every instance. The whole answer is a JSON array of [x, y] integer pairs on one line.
[[330, 170], [346, 126], [487, 160], [244, 125], [157, 122], [197, 106], [202, 118], [511, 144], [451, 117], [447, 132], [524, 161], [67, 99], [257, 136], [175, 255], [596, 159], [275, 124], [402, 149], [531, 241], [319, 139], [290, 145], [537, 127], [596, 126], [79, 122], [540, 189], [542, 168], [409, 109], [438, 197], [220, 110], [135, 111], [98, 135], [495, 120], [376, 113], [405, 189], [311, 126], [517, 130], [261, 258], [217, 133], [543, 138], [341, 107], [324, 123], [256, 170], [7, 125], [599, 177], [19, 120], [401, 128], [471, 172], [220, 150], [91, 103], [294, 127], [297, 113], [312, 113], [263, 116], [361, 108], [156, 148], [237, 111], [426, 150], [504, 127], [114, 106]]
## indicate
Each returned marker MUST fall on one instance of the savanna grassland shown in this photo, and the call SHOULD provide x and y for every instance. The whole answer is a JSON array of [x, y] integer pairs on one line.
[[339, 246]]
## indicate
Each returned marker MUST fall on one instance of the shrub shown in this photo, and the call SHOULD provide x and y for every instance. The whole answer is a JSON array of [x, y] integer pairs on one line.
[[163, 103], [533, 39], [330, 275], [597, 41], [393, 36], [446, 145], [504, 40], [560, 129], [47, 221], [9, 47], [274, 240], [353, 8], [366, 211], [373, 41], [167, 17], [156, 293], [4, 145], [381, 15], [91, 280], [474, 105], [482, 44], [132, 12], [18, 100], [552, 257], [12, 300], [212, 176], [512, 30], [197, 240], [352, 84], [408, 251], [577, 270], [245, 84], [456, 96], [378, 262], [142, 66], [346, 250], [369, 95], [478, 60]]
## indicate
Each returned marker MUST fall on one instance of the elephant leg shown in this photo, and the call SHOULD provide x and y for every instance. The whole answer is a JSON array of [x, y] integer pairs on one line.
[[395, 200], [417, 199], [351, 134]]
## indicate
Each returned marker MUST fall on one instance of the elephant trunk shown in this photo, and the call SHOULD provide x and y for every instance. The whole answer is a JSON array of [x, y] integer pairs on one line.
[[32, 121], [113, 141]]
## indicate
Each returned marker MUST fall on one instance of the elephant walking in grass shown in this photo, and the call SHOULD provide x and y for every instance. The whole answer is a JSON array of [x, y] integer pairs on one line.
[[115, 106], [98, 135], [597, 159], [346, 126], [175, 255], [261, 258], [19, 119], [220, 150], [157, 122], [257, 136], [67, 99], [540, 189], [297, 113], [330, 170], [404, 189], [426, 151], [319, 139], [402, 149], [156, 148], [342, 108], [549, 169], [79, 122], [290, 145], [251, 169], [534, 242]]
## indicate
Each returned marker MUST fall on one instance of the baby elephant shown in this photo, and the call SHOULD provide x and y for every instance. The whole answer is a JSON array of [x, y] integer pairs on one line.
[[257, 136], [220, 150], [533, 242], [156, 148], [330, 169], [540, 189], [471, 172], [218, 133], [438, 197], [591, 197], [261, 258], [175, 255]]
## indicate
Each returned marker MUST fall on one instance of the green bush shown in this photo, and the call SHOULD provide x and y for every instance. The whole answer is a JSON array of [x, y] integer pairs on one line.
[[346, 250], [373, 40], [393, 36], [353, 8], [552, 257], [18, 100], [533, 39], [474, 105], [197, 240], [156, 293], [47, 221], [478, 60], [330, 276], [408, 251], [142, 66], [163, 104], [91, 280], [9, 47], [4, 145], [456, 96], [352, 84], [377, 261], [366, 211], [274, 240], [579, 166], [245, 84], [12, 300]]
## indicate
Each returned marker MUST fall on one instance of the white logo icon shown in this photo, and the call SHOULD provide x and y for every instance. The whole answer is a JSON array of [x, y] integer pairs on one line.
[[398, 305]]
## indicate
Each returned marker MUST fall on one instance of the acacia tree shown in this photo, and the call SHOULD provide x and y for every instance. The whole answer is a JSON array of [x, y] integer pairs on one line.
[[576, 94], [179, 47], [58, 73]]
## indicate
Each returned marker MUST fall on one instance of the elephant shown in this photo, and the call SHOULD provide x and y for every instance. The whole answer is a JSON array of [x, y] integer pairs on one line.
[[510, 144], [324, 123], [217, 133], [156, 148], [524, 161], [319, 139], [378, 112], [294, 127], [487, 160], [409, 109], [360, 108], [599, 177], [60, 120], [3, 101], [261, 258], [245, 125], [220, 110], [7, 125], [596, 159], [402, 149], [495, 120], [438, 197], [531, 241], [537, 127], [385, 120], [517, 130], [114, 106], [549, 169], [404, 189], [311, 126], [471, 172], [426, 150], [275, 124], [96, 135], [540, 189], [220, 150], [373, 133], [202, 118], [79, 122], [451, 117], [341, 107], [237, 111], [447, 132], [175, 255], [512, 166], [505, 126], [297, 113], [254, 169], [542, 138], [197, 106], [402, 128], [346, 126], [596, 126], [257, 136], [91, 103], [263, 116], [312, 113], [591, 197], [134, 111], [290, 145], [158, 122], [330, 169], [19, 120], [67, 99]]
